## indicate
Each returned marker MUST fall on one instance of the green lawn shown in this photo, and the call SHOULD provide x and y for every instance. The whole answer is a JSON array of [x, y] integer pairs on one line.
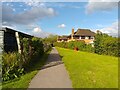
[[89, 70], [23, 81]]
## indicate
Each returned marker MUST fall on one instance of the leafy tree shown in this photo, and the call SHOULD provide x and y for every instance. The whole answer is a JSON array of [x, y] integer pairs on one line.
[[105, 44]]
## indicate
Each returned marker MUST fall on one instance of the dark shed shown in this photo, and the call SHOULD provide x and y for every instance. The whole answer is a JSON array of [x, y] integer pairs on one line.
[[9, 39]]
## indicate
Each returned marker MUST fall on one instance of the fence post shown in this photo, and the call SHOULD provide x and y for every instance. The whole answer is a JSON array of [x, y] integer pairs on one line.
[[18, 41]]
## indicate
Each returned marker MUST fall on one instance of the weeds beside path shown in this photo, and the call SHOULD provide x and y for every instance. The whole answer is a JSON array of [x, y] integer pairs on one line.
[[23, 81]]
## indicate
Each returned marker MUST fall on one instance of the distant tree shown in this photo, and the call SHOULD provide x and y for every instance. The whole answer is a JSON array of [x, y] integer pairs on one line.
[[50, 39]]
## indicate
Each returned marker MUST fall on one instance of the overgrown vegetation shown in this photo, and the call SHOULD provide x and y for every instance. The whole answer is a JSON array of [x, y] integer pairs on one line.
[[10, 66], [90, 70], [75, 44], [103, 44], [24, 80], [50, 39], [16, 64]]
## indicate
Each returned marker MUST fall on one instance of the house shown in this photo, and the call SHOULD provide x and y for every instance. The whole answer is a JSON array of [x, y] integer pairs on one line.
[[10, 39], [62, 38], [85, 35]]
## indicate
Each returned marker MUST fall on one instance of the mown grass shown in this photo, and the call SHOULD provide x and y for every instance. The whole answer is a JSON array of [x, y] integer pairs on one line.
[[23, 81], [89, 70]]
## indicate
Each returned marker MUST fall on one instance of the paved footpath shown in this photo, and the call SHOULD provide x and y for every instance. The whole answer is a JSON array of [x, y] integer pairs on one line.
[[53, 74]]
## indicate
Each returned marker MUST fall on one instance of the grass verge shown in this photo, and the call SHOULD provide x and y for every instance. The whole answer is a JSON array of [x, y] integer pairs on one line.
[[23, 81], [89, 70]]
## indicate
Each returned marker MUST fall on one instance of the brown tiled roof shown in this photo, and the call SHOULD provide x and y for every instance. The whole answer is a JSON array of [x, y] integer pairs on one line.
[[84, 32]]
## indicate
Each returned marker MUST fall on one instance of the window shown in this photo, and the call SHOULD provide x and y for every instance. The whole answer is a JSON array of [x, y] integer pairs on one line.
[[90, 37], [82, 37]]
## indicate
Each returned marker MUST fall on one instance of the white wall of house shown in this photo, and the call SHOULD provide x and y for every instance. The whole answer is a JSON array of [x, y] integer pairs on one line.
[[92, 38], [79, 37], [86, 37]]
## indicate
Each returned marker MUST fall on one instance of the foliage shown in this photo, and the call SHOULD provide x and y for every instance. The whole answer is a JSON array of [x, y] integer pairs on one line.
[[50, 39], [37, 45], [61, 44], [90, 70], [15, 63], [47, 47], [70, 45], [10, 66], [24, 80], [75, 44], [105, 44], [31, 47], [24, 52]]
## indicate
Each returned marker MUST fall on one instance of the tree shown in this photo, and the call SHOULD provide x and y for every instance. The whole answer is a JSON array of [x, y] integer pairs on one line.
[[50, 39], [105, 44]]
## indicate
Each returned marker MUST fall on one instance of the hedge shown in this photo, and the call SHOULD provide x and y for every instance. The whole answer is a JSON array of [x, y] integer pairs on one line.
[[75, 44], [103, 44], [14, 63]]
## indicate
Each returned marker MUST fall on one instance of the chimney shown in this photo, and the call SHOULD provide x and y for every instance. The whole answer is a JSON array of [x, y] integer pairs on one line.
[[72, 33], [99, 32]]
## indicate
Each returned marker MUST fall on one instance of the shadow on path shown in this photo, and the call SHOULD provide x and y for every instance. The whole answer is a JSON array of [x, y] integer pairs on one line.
[[53, 74], [53, 59]]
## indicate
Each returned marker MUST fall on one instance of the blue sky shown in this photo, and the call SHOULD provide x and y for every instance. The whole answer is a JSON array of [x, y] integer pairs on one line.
[[41, 18]]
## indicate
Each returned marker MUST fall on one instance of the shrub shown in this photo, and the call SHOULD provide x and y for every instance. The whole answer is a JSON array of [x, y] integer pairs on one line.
[[105, 44], [25, 50], [61, 44], [75, 44], [10, 66], [14, 64], [37, 45], [80, 45], [71, 45]]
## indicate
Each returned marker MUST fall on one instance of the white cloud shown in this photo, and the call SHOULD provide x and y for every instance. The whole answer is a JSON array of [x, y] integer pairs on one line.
[[111, 30], [37, 30], [39, 33], [14, 9], [35, 4], [101, 5], [27, 16], [62, 26]]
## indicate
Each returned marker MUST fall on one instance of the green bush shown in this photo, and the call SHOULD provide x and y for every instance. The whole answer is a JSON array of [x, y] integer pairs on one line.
[[80, 45], [37, 45], [89, 48], [105, 44], [61, 44], [75, 44], [25, 50], [14, 64], [10, 66], [71, 45]]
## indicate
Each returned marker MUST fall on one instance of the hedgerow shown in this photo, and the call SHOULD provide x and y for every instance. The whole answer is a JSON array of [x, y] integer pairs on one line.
[[103, 44], [14, 64], [75, 44]]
